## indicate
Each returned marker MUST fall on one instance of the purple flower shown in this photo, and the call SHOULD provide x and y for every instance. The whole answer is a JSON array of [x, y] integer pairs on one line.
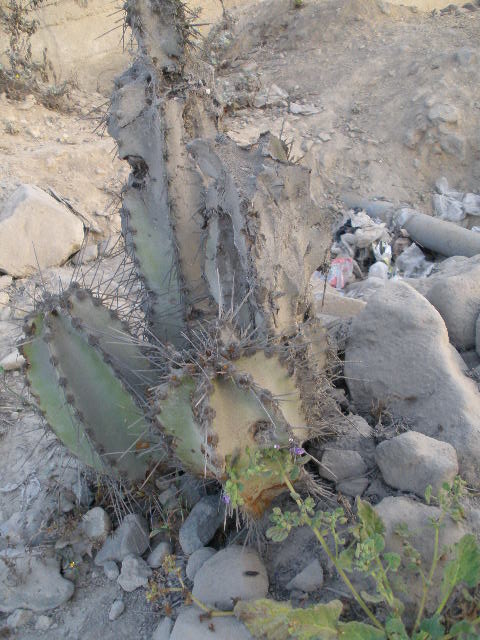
[[298, 451], [276, 446], [226, 498]]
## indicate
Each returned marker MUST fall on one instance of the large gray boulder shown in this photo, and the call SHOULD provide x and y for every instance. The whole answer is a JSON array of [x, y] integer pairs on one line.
[[192, 625], [399, 356], [36, 232], [32, 582], [235, 573], [412, 461]]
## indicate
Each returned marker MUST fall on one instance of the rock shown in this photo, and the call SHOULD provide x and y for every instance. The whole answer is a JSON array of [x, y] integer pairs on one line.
[[443, 113], [457, 299], [131, 537], [303, 109], [116, 610], [352, 486], [26, 239], [471, 204], [201, 524], [86, 254], [13, 361], [378, 270], [32, 582], [197, 559], [5, 282], [448, 208], [338, 464], [162, 632], [43, 623], [402, 510], [156, 557], [96, 524], [335, 304], [191, 625], [19, 618], [310, 579], [134, 574], [412, 461], [355, 434], [233, 573], [111, 570], [399, 355]]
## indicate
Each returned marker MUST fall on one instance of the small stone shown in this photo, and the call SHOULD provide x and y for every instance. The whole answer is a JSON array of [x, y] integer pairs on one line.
[[412, 461], [19, 618], [352, 486], [310, 579], [471, 204], [452, 144], [233, 573], [156, 557], [86, 254], [339, 464], [197, 559], [13, 361], [135, 573], [303, 109], [43, 623], [111, 570], [5, 282], [201, 524], [131, 537], [443, 113], [96, 524], [163, 630], [116, 610]]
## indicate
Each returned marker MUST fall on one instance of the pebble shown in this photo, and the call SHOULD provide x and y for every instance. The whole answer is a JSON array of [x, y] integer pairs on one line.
[[412, 461], [338, 464], [201, 524], [116, 610], [163, 630], [13, 361], [111, 570], [131, 537], [134, 574], [86, 254], [19, 618], [197, 559], [309, 579], [96, 524], [233, 573], [443, 113], [43, 623], [352, 486], [156, 557]]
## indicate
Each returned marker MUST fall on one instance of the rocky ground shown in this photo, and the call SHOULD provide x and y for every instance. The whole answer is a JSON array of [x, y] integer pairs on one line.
[[382, 103]]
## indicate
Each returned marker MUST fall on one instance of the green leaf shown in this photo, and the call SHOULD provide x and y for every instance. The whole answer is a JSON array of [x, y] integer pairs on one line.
[[345, 559], [373, 598], [464, 630], [433, 626], [465, 567], [369, 518], [277, 534], [360, 631], [396, 629], [393, 560], [279, 621]]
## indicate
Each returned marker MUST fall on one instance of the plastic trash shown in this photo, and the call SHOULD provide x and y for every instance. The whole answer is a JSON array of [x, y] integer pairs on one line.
[[412, 263], [382, 252], [378, 270], [448, 208], [341, 270]]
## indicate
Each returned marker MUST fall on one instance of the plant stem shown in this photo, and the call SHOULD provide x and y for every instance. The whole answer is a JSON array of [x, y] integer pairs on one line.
[[426, 583], [332, 558], [215, 613]]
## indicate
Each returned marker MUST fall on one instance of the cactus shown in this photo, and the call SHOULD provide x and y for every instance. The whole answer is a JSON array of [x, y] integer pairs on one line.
[[224, 240]]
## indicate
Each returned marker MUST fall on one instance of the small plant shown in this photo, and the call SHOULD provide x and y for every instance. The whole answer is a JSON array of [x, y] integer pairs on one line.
[[361, 548]]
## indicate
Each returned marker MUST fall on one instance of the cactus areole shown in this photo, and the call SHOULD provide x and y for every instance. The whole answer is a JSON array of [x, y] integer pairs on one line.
[[224, 241]]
